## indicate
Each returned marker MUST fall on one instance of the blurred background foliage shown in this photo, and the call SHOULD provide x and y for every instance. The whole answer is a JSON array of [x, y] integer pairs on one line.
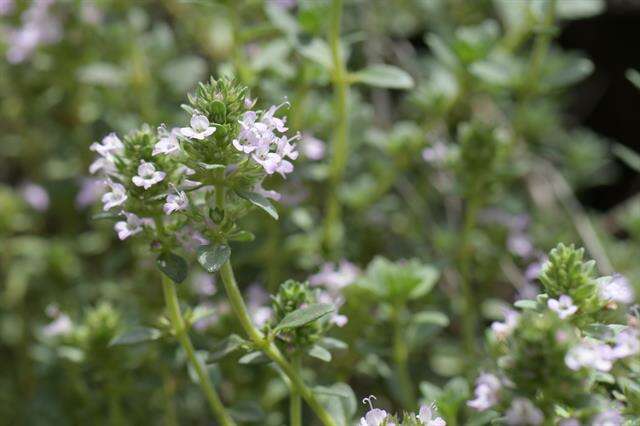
[[504, 146]]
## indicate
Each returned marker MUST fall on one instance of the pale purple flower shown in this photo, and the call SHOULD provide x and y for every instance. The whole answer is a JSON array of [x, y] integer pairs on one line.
[[115, 198], [6, 7], [190, 238], [534, 269], [106, 164], [271, 121], [257, 297], [60, 326], [563, 306], [520, 245], [522, 412], [598, 356], [132, 226], [487, 392], [261, 315], [528, 291], [90, 14], [147, 175], [428, 417], [436, 153], [627, 343], [503, 329], [274, 195], [204, 284], [337, 301], [110, 145], [168, 142], [35, 195], [90, 191], [611, 417], [285, 148], [312, 147], [335, 276], [207, 321], [176, 202], [270, 161], [373, 417], [616, 288], [200, 128], [569, 422], [284, 4], [39, 27]]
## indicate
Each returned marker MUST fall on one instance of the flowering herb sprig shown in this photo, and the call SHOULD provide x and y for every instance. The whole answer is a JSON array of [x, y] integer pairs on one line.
[[187, 188], [568, 355]]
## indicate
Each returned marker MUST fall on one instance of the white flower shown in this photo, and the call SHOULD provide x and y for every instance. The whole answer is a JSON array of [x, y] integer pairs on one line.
[[523, 412], [176, 202], [200, 128], [564, 306], [275, 122], [132, 226], [106, 164], [503, 329], [115, 198], [109, 146], [270, 161], [487, 392], [627, 343], [598, 356], [426, 416], [616, 288], [520, 244], [147, 175], [168, 142]]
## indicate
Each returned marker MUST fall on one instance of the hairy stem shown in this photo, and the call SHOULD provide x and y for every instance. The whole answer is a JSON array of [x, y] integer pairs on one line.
[[269, 348], [180, 330], [339, 147]]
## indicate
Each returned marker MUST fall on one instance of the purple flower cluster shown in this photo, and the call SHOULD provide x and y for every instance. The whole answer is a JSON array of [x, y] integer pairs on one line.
[[39, 27]]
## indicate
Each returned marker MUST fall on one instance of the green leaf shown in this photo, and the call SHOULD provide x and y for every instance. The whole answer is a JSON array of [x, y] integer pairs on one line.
[[253, 358], [579, 9], [136, 335], [492, 72], [173, 266], [320, 353], [207, 166], [247, 412], [304, 316], [431, 317], [105, 216], [630, 157], [634, 77], [318, 51], [331, 343], [260, 201], [225, 347], [212, 258], [386, 76], [573, 71], [526, 304]]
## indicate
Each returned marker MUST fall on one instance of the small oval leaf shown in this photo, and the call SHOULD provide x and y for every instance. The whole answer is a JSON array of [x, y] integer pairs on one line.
[[304, 316], [173, 266], [212, 258], [136, 335], [386, 76], [319, 352], [260, 201]]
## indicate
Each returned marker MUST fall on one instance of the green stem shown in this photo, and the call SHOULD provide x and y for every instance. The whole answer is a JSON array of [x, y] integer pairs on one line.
[[269, 348], [180, 330], [339, 147], [468, 309], [400, 358], [295, 408], [541, 47]]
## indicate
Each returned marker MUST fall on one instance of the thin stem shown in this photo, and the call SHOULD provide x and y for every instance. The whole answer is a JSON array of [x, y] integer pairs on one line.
[[541, 46], [464, 259], [180, 330], [295, 408], [400, 357], [269, 348], [339, 147]]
